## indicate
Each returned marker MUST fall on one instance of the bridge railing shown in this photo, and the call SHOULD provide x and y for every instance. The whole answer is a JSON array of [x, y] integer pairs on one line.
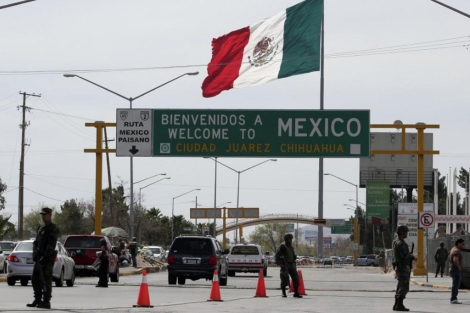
[[233, 221]]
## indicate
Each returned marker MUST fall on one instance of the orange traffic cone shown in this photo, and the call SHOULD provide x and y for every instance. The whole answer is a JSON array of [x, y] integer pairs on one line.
[[144, 299], [215, 290], [261, 288], [301, 284]]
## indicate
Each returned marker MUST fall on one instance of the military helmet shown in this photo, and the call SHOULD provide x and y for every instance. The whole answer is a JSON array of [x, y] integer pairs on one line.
[[288, 236], [401, 229], [441, 243]]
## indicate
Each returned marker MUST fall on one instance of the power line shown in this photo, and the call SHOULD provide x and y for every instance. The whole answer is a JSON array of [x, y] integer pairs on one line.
[[365, 52], [43, 195], [59, 185]]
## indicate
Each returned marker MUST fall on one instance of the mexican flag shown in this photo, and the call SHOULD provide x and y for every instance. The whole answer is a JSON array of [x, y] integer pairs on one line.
[[283, 45]]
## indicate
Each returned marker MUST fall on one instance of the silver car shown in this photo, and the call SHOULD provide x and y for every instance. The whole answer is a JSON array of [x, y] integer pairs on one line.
[[20, 265], [6, 247]]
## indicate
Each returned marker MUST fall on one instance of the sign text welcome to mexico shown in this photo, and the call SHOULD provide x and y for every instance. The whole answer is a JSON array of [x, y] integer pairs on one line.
[[261, 133]]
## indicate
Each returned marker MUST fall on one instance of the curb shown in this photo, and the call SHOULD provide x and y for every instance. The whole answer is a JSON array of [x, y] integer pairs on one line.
[[139, 271], [3, 279], [414, 282]]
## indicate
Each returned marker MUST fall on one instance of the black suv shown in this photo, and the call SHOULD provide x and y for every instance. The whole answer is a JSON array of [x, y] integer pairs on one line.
[[196, 257]]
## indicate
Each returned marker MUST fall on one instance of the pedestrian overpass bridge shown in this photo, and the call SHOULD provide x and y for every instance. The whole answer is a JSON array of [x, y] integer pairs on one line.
[[270, 218]]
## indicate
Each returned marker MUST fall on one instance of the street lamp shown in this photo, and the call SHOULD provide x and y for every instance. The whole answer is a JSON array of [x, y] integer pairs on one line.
[[140, 189], [238, 187], [131, 209], [356, 208], [161, 174], [223, 203], [173, 211]]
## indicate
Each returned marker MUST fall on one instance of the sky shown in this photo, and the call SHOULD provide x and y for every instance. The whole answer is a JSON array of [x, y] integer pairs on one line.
[[42, 40]]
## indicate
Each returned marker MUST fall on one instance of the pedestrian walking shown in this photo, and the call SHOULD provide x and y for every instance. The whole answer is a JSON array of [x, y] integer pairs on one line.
[[44, 254], [402, 262], [441, 257], [455, 269], [133, 248], [103, 271], [285, 258]]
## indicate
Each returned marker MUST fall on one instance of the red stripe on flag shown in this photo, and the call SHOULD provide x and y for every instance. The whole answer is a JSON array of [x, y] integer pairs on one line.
[[227, 57]]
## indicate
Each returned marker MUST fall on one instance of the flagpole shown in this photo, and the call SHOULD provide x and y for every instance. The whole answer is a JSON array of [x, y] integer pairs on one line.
[[320, 160]]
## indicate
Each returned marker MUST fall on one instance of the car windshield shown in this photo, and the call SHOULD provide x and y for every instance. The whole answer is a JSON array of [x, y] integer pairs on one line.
[[25, 246], [83, 242], [245, 250], [192, 246], [155, 250], [7, 246]]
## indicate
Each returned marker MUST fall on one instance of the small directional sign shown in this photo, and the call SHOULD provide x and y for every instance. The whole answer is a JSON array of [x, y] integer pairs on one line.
[[134, 132]]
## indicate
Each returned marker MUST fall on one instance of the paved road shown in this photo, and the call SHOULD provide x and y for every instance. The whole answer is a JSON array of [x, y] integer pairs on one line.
[[329, 290]]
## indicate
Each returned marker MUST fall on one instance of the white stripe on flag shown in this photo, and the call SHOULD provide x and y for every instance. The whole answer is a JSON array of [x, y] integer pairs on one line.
[[251, 75]]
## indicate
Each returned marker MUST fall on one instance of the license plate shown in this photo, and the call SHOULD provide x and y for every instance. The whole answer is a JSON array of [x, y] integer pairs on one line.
[[29, 261], [191, 261]]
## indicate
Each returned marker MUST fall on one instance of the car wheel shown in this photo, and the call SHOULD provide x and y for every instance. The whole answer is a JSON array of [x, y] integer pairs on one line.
[[181, 280], [60, 281], [11, 281], [24, 281], [171, 279], [71, 281], [231, 273], [223, 281], [265, 271]]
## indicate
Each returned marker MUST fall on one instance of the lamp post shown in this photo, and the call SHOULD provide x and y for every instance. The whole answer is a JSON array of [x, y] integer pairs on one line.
[[140, 189], [356, 208], [131, 208], [357, 202], [238, 186], [173, 212]]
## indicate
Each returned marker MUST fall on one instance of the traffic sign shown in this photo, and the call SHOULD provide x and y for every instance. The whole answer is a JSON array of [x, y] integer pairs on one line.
[[243, 213], [134, 132], [345, 229], [426, 219], [335, 222], [319, 221], [205, 213], [243, 133]]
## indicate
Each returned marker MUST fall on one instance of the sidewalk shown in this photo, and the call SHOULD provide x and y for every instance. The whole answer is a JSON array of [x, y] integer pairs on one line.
[[433, 282]]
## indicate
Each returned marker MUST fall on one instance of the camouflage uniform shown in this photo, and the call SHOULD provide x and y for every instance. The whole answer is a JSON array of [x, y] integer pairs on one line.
[[44, 253], [441, 258], [402, 257]]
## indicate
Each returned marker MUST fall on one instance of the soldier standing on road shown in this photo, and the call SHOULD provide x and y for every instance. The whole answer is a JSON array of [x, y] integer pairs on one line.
[[402, 261], [44, 254], [285, 257], [441, 257]]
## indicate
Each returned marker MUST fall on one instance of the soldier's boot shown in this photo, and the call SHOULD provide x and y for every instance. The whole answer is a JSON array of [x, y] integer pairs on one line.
[[296, 292], [436, 274], [44, 305], [396, 303], [34, 303], [283, 288], [400, 306]]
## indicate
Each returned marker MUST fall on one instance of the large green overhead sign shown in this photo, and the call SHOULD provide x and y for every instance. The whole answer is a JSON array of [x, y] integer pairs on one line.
[[378, 199], [244, 133]]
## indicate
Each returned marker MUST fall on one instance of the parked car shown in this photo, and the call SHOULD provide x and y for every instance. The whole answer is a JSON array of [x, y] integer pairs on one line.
[[21, 264], [83, 248], [349, 259], [7, 247], [196, 257], [327, 261], [372, 260], [158, 252], [362, 260], [3, 262], [246, 258]]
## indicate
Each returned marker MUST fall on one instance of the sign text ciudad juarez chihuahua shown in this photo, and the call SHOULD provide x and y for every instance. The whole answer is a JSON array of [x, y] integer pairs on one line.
[[243, 133]]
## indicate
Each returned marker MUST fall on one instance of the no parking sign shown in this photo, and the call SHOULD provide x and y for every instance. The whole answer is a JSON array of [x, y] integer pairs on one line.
[[426, 219]]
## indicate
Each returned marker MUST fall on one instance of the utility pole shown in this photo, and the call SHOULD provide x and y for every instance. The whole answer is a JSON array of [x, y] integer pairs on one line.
[[109, 178], [23, 126]]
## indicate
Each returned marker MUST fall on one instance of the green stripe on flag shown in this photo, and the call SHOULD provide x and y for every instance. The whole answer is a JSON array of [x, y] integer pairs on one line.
[[302, 32]]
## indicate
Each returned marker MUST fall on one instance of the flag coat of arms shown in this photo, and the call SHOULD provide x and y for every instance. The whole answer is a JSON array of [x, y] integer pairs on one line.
[[283, 45]]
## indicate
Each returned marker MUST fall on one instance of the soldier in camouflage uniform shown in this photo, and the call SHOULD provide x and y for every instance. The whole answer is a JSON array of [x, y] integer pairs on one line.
[[441, 257], [44, 254], [285, 258], [402, 263]]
